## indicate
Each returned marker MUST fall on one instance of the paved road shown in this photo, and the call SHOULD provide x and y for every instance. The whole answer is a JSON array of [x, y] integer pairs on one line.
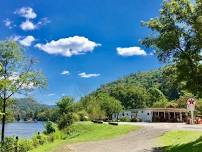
[[142, 140]]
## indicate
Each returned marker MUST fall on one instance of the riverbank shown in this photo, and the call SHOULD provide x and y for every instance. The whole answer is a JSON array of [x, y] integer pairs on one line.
[[86, 131]]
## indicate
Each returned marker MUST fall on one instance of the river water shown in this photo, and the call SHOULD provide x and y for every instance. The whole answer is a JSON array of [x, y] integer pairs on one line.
[[23, 129]]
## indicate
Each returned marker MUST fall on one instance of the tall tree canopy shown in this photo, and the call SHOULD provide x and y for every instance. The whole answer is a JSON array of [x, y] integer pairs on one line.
[[17, 75], [177, 38]]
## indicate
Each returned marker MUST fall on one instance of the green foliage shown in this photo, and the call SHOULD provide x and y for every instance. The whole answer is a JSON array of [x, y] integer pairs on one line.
[[25, 145], [125, 119], [76, 117], [65, 111], [160, 104], [83, 115], [101, 105], [50, 128], [9, 144], [177, 38], [156, 96], [130, 96], [17, 75]]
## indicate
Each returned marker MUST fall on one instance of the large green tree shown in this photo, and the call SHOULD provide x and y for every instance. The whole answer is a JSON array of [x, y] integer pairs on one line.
[[17, 75], [65, 112], [177, 38]]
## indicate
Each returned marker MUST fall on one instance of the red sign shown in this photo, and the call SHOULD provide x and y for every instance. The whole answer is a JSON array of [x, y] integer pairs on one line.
[[191, 102]]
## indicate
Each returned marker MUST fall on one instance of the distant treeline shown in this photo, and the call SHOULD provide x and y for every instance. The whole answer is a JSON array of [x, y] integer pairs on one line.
[[156, 88]]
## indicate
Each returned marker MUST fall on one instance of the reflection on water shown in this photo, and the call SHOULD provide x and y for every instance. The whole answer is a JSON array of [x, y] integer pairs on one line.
[[23, 129]]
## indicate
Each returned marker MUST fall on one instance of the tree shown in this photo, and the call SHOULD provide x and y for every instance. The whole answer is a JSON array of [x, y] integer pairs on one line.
[[108, 104], [130, 96], [156, 96], [177, 39], [17, 75], [92, 107], [65, 111]]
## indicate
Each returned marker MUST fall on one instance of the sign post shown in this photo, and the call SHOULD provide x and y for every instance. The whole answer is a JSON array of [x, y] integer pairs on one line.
[[191, 102]]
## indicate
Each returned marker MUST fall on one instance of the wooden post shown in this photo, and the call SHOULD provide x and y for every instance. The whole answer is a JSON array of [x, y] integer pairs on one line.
[[168, 115], [16, 144], [181, 116]]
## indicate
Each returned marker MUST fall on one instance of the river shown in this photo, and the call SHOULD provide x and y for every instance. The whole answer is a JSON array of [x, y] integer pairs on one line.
[[23, 129]]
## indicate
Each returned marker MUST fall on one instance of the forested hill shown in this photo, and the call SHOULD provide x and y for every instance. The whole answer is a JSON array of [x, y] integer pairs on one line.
[[28, 108], [143, 89], [29, 104]]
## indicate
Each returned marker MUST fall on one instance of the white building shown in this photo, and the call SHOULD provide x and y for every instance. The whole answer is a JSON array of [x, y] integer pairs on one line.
[[155, 114]]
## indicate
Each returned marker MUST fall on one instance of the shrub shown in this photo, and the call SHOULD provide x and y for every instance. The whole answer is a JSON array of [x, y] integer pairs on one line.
[[9, 144], [25, 145], [125, 119], [65, 121], [76, 117], [83, 115], [135, 120], [49, 128]]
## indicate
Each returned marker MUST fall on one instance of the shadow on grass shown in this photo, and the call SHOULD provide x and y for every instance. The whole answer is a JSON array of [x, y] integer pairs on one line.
[[195, 146]]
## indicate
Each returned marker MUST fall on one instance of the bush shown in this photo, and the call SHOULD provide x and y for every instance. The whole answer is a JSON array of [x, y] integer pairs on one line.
[[49, 128], [135, 120], [76, 117], [9, 144], [65, 121], [83, 115], [25, 145], [124, 119]]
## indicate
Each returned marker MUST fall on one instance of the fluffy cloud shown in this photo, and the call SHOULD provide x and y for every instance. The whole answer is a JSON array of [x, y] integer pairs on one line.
[[65, 72], [26, 12], [131, 51], [68, 46], [8, 23], [29, 14], [25, 41], [90, 75], [27, 25]]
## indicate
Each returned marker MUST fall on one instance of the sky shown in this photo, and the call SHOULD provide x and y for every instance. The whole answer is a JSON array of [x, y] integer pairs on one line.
[[81, 44]]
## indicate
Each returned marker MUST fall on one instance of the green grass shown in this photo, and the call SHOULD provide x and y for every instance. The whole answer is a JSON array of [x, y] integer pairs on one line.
[[181, 141], [86, 131]]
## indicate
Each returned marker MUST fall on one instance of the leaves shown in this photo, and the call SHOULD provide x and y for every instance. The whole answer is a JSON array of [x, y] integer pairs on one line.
[[177, 39]]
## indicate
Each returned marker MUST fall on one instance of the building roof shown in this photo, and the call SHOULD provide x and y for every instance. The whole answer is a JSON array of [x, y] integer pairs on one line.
[[160, 109]]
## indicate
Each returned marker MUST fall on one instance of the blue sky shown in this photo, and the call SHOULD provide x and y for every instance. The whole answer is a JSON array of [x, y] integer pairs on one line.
[[81, 44]]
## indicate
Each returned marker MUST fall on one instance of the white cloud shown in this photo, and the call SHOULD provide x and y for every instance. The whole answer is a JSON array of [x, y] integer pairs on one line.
[[68, 46], [90, 75], [131, 51], [51, 94], [43, 21], [8, 23], [27, 25], [26, 12], [65, 72], [27, 41]]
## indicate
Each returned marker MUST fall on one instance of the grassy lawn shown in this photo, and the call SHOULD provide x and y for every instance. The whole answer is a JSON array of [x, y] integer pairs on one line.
[[181, 141], [86, 131]]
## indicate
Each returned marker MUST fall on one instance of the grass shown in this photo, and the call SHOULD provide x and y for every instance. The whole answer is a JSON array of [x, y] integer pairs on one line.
[[86, 131], [181, 141]]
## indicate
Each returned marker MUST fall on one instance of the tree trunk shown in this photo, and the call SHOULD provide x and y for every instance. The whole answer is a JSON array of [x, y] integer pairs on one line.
[[3, 121]]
